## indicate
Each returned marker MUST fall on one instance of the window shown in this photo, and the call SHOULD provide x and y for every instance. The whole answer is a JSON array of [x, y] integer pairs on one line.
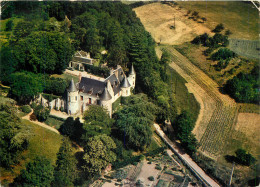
[[81, 98], [76, 98], [69, 98], [126, 92], [89, 100]]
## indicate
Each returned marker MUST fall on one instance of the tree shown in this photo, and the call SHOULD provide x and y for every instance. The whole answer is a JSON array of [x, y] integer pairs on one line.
[[223, 54], [41, 113], [65, 170], [204, 19], [244, 158], [9, 25], [98, 154], [73, 129], [97, 121], [25, 86], [134, 122], [38, 172], [56, 86], [218, 28], [22, 29], [14, 137], [228, 32]]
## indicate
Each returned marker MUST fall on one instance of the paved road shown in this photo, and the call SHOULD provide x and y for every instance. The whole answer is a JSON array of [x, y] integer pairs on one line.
[[27, 117], [187, 159]]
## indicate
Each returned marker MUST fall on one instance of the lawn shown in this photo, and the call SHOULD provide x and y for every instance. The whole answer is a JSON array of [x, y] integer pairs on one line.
[[54, 122], [184, 101], [241, 18], [42, 142], [66, 76]]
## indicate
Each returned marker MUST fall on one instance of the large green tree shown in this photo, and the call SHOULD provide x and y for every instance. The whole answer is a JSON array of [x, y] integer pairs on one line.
[[65, 171], [14, 137], [97, 121], [99, 152], [38, 172], [25, 86]]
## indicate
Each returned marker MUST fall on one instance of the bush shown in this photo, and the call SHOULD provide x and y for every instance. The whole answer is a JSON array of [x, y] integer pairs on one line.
[[244, 158], [33, 105], [223, 54], [33, 117], [41, 113], [151, 178], [218, 28], [158, 167], [149, 162], [26, 109], [61, 109], [9, 25]]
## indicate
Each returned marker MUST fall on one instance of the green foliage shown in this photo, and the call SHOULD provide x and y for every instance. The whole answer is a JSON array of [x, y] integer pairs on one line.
[[101, 71], [26, 109], [41, 113], [218, 28], [244, 87], [73, 129], [183, 128], [33, 105], [97, 121], [56, 86], [25, 86], [13, 136], [223, 54], [244, 158], [158, 167], [43, 51], [120, 174], [98, 154], [134, 121], [65, 170], [9, 25], [38, 172], [151, 178]]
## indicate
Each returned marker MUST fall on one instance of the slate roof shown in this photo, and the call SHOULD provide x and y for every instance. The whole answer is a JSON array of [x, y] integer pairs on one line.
[[132, 71], [125, 83], [72, 86], [91, 86], [114, 83], [121, 74], [82, 59], [105, 96]]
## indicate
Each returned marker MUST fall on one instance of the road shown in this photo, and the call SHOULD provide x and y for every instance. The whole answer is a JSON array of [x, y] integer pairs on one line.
[[186, 159], [27, 117]]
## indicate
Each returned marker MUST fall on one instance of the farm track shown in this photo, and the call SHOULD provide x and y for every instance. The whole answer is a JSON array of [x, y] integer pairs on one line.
[[219, 112]]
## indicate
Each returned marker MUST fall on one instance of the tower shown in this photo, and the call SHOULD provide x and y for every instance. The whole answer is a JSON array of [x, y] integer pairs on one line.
[[132, 77], [72, 98], [106, 101], [125, 87]]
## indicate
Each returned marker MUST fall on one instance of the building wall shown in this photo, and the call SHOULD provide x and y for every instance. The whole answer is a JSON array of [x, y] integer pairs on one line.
[[73, 100], [83, 104]]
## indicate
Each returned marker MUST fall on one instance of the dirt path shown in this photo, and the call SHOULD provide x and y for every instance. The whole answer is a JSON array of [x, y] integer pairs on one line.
[[218, 112], [187, 159], [27, 117]]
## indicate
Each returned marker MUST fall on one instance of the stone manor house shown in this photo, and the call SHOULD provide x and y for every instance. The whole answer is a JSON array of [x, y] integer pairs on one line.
[[89, 91], [93, 91]]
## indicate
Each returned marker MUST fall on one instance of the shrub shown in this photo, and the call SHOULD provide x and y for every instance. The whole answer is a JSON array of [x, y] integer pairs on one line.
[[41, 113], [158, 167], [149, 162], [151, 178], [218, 28], [33, 105], [244, 158], [33, 117], [223, 54], [61, 109], [26, 109]]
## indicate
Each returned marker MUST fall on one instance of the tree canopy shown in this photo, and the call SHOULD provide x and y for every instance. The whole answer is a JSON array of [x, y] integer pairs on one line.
[[99, 152]]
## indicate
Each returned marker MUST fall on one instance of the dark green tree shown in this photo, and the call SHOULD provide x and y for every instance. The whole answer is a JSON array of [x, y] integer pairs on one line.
[[244, 158], [25, 86], [41, 113], [65, 171], [38, 172], [218, 28]]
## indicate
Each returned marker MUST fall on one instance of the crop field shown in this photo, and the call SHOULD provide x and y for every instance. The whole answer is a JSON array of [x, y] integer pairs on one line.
[[218, 112], [246, 48]]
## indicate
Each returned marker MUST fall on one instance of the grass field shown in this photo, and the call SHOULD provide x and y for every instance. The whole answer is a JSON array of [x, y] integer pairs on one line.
[[53, 122], [240, 18], [66, 76], [42, 142]]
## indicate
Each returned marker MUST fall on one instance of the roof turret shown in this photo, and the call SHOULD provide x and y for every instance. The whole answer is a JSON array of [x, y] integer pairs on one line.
[[105, 96], [125, 83], [132, 71], [72, 86]]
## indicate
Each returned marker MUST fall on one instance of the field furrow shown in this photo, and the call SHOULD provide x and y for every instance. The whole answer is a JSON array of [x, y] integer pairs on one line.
[[219, 111]]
